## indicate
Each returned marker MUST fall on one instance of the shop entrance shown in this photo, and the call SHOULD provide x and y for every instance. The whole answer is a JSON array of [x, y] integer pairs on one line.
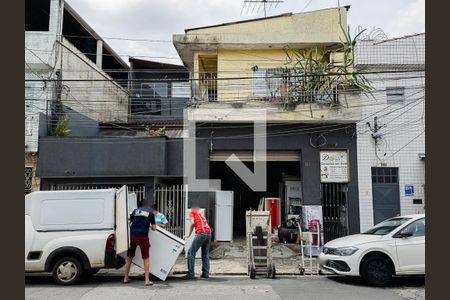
[[244, 197]]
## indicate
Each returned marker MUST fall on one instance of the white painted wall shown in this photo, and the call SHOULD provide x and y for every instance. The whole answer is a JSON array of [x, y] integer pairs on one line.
[[101, 101], [401, 139], [40, 59]]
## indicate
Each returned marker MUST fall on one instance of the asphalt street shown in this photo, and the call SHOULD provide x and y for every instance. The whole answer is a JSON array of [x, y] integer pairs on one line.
[[226, 287]]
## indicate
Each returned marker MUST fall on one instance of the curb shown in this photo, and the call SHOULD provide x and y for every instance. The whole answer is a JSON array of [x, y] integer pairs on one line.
[[212, 274]]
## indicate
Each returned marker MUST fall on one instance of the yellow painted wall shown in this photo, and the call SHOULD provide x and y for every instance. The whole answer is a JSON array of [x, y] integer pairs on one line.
[[234, 64], [239, 63], [320, 26]]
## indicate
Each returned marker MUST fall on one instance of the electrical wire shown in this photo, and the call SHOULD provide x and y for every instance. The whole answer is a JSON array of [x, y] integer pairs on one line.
[[306, 6], [404, 146]]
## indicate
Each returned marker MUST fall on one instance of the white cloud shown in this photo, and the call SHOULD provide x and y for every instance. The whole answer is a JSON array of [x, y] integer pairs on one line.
[[409, 20], [159, 19]]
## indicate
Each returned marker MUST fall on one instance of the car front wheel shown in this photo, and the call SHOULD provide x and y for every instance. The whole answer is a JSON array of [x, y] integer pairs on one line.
[[67, 271], [377, 271]]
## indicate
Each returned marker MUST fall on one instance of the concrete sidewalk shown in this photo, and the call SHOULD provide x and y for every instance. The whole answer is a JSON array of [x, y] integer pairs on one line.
[[231, 259], [224, 266]]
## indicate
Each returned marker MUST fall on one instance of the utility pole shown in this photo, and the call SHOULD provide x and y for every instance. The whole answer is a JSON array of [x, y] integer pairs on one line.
[[264, 3], [375, 132], [57, 110]]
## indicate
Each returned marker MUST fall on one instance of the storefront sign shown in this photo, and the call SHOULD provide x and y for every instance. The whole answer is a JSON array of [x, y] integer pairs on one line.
[[334, 166]]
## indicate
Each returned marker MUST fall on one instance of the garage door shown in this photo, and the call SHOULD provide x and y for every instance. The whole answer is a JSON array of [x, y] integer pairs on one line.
[[248, 155]]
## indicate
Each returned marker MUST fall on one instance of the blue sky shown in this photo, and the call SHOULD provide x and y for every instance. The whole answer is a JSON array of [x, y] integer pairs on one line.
[[159, 19]]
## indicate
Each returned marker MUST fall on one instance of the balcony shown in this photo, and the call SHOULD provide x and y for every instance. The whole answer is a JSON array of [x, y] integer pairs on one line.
[[284, 96]]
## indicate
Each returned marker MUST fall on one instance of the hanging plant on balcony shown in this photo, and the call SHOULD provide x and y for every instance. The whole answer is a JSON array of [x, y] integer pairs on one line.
[[61, 128], [312, 77]]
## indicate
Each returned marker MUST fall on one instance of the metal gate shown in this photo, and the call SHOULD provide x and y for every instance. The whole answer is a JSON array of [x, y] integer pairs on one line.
[[138, 189], [334, 207], [28, 180], [171, 201], [386, 193]]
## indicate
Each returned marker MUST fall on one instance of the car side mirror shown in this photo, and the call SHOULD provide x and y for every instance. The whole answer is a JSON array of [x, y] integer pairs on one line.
[[403, 234]]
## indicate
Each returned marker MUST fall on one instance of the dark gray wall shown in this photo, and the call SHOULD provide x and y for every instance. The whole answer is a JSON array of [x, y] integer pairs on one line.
[[101, 157], [285, 137], [43, 125], [80, 124], [147, 181], [174, 157]]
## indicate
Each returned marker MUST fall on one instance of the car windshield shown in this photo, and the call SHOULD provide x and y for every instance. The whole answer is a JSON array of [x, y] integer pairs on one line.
[[387, 226]]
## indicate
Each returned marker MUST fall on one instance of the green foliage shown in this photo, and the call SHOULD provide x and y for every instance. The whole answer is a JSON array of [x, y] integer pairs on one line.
[[152, 132], [312, 77], [61, 128]]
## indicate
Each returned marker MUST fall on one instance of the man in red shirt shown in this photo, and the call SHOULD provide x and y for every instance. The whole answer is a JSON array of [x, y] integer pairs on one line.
[[202, 239]]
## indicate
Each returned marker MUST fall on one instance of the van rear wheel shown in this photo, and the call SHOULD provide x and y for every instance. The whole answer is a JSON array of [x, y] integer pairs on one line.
[[67, 271]]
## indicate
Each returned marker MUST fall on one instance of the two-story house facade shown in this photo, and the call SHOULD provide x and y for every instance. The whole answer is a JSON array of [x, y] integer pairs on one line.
[[238, 78]]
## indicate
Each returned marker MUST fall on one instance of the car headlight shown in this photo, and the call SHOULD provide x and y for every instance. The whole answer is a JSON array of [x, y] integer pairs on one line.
[[345, 251]]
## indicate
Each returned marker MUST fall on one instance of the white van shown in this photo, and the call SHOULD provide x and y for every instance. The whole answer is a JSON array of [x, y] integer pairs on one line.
[[75, 233]]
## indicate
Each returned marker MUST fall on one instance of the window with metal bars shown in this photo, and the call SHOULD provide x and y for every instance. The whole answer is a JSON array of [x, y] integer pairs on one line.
[[334, 209], [138, 189], [384, 175], [395, 95]]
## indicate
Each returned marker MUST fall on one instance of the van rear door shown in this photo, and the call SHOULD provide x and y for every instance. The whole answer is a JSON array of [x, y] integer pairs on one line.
[[122, 230]]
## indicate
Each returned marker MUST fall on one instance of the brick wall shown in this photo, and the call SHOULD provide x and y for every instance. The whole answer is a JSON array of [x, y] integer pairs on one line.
[[31, 161]]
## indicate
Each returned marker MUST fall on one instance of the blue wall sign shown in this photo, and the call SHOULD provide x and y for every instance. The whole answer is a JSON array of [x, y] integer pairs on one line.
[[409, 190]]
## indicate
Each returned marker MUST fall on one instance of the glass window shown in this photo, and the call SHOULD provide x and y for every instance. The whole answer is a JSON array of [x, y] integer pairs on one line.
[[151, 94], [417, 228], [387, 226], [37, 15], [384, 175], [181, 89], [154, 90], [267, 82], [395, 94]]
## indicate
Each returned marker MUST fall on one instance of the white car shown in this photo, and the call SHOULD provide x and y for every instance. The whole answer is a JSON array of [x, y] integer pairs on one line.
[[393, 247]]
